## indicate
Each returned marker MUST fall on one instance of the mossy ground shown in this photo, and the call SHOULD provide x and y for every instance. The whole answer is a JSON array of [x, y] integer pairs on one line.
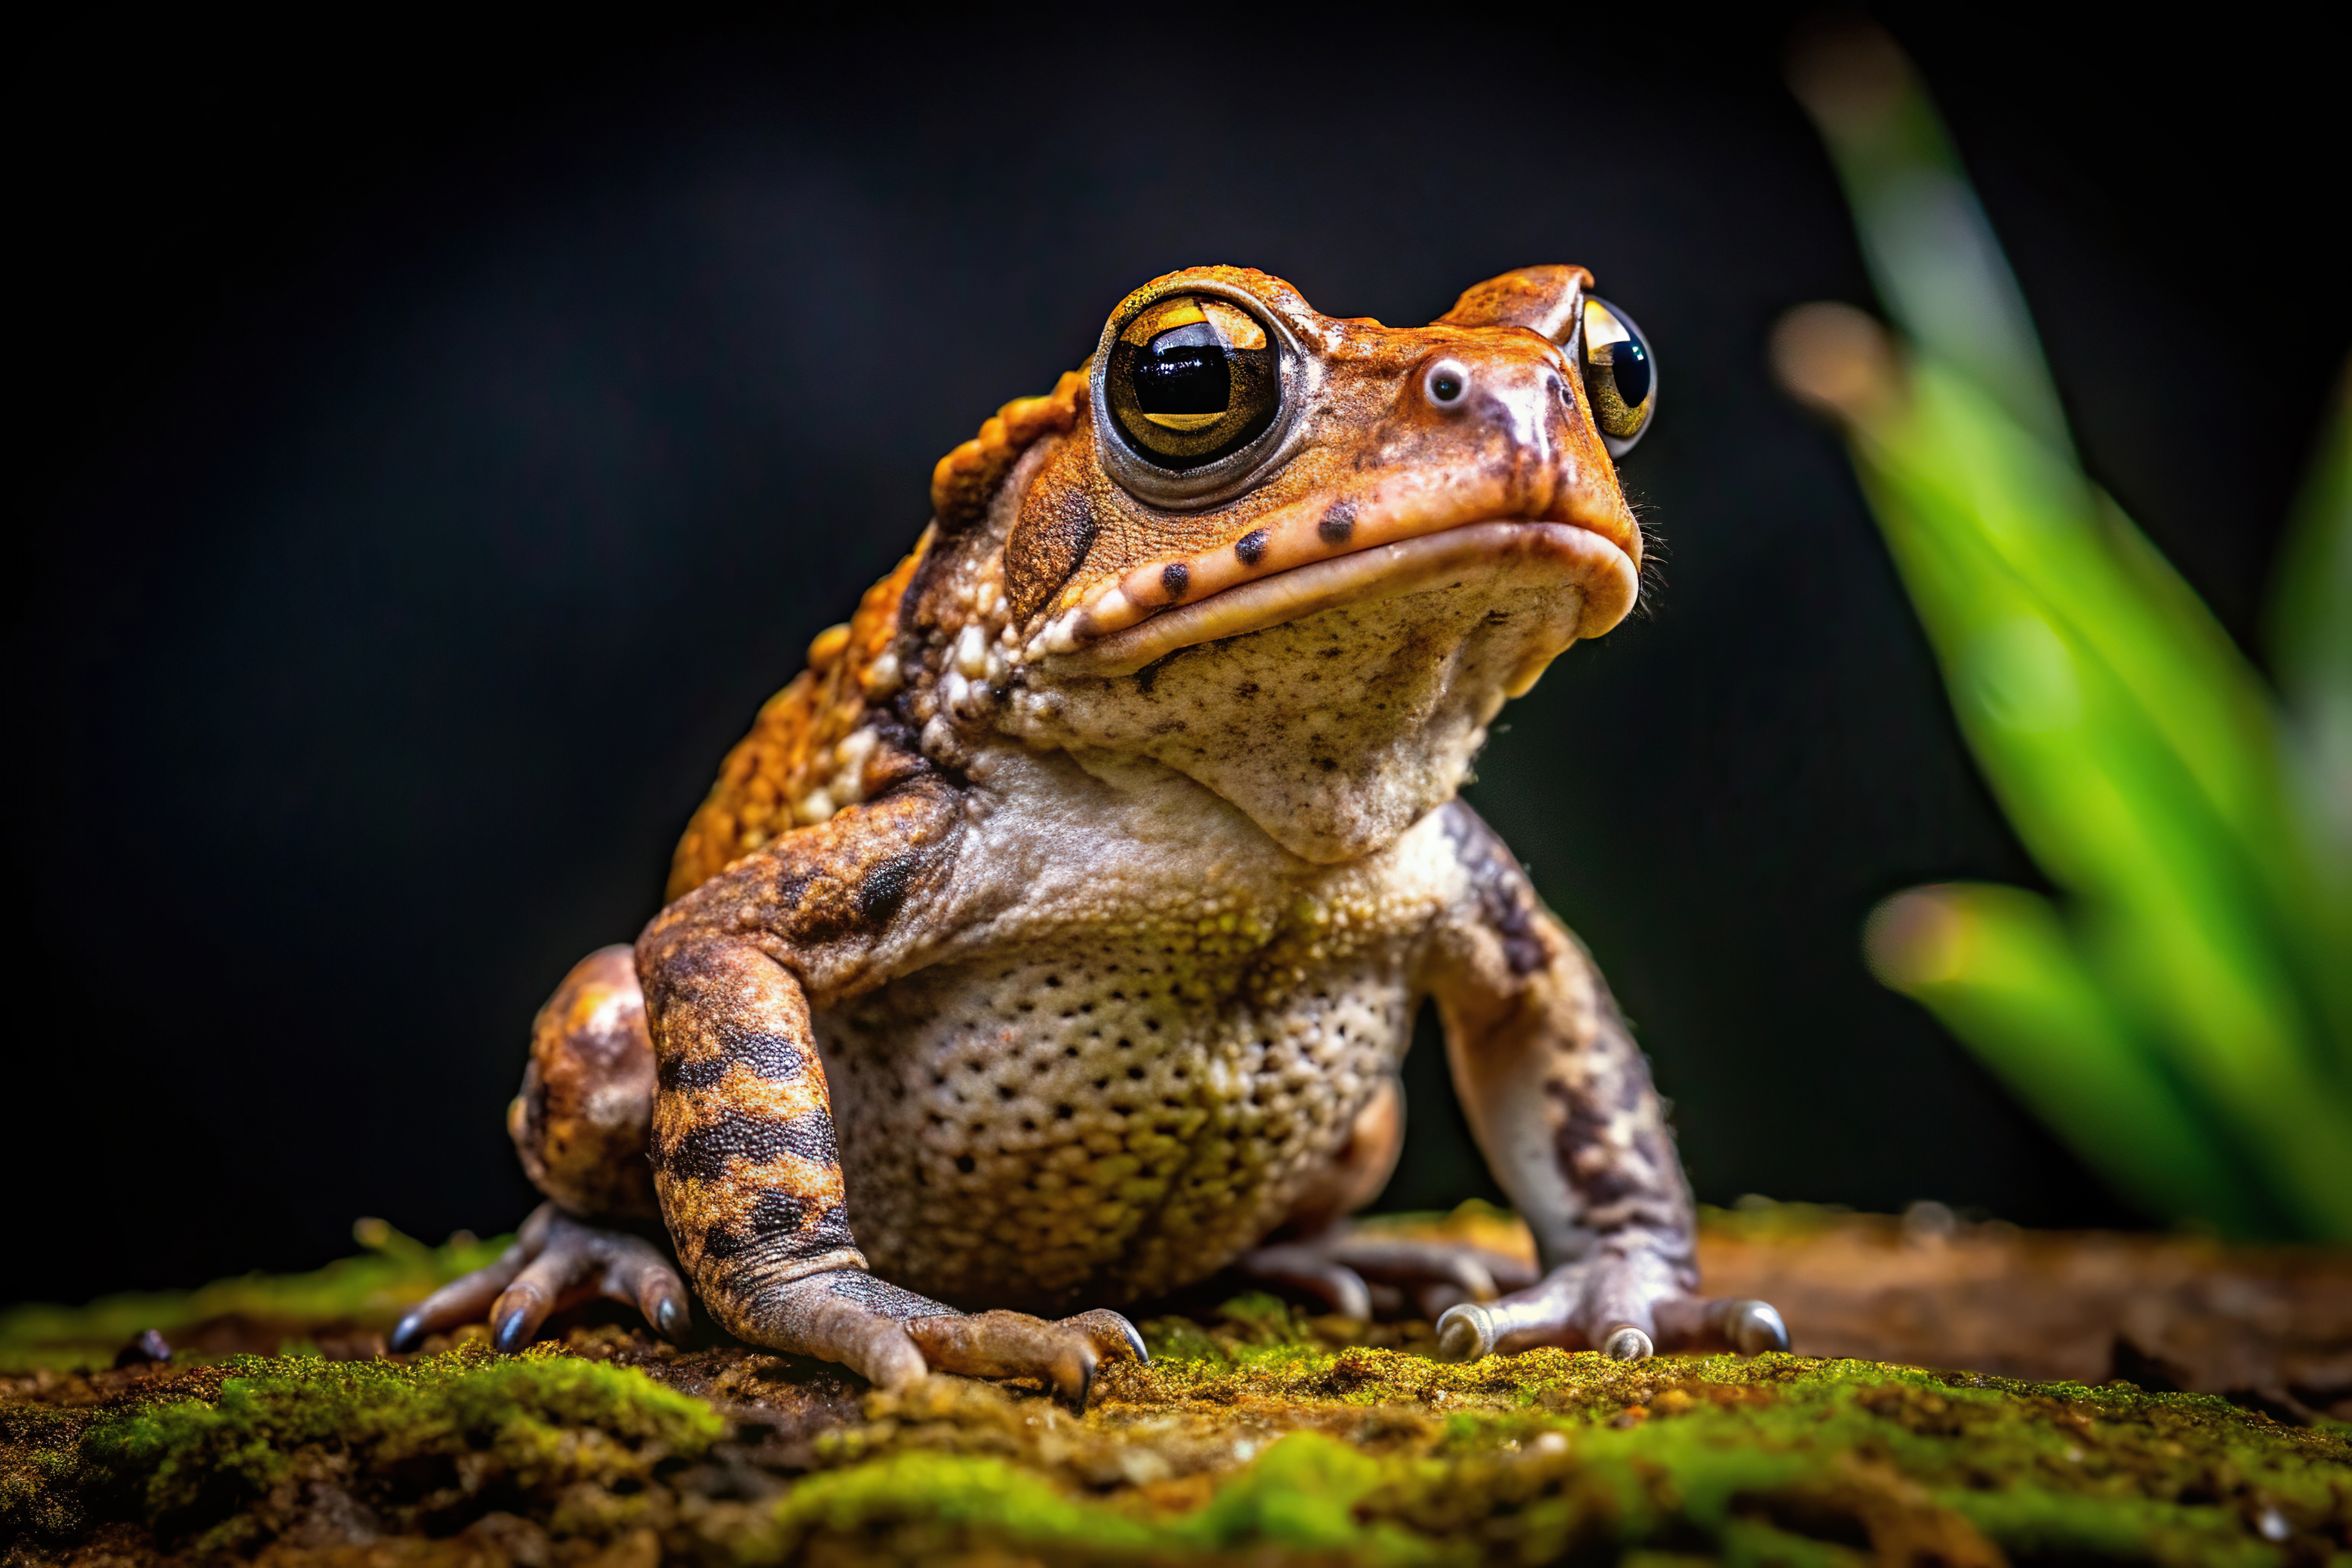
[[1257, 1436]]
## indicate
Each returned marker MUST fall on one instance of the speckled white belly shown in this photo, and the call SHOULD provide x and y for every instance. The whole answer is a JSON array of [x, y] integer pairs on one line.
[[1051, 1129]]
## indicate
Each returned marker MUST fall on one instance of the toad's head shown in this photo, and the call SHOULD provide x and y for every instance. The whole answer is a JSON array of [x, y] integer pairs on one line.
[[1301, 559]]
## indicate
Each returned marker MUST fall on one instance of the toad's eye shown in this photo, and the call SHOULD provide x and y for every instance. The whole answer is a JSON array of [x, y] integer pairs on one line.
[[1619, 377], [1192, 379]]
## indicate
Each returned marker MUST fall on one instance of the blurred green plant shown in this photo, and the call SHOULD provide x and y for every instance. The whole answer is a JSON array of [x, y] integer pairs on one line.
[[2184, 1019], [367, 1292]]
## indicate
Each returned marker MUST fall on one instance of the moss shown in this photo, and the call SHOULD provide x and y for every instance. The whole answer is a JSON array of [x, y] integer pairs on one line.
[[1554, 1455], [1531, 1457], [39, 1473], [917, 1505], [920, 1503], [399, 1447], [1259, 1434], [1275, 1453]]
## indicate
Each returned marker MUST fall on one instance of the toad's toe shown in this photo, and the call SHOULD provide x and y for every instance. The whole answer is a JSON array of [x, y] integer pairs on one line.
[[1735, 1323], [556, 1261], [1465, 1332], [1341, 1267], [1013, 1345], [1627, 1342]]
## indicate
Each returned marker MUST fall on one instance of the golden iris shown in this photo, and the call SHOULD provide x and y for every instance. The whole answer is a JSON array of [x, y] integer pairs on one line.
[[1192, 379], [1618, 375]]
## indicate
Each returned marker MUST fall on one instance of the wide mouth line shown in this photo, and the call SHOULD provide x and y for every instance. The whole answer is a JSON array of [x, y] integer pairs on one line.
[[1301, 534], [1485, 548]]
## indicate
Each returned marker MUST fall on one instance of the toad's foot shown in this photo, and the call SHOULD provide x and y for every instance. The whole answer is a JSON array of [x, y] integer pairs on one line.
[[892, 1337], [556, 1261], [1627, 1305], [1360, 1273]]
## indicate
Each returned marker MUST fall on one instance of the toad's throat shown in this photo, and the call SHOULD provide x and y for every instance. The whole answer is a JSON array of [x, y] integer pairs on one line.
[[1120, 631]]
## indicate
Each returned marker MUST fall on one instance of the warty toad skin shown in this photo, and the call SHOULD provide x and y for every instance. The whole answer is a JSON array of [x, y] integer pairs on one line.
[[1053, 941]]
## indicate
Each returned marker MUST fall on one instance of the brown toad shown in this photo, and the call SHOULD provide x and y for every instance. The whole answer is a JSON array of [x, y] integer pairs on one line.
[[1053, 941]]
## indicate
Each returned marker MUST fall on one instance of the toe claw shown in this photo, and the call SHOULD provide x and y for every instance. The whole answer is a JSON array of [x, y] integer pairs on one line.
[[513, 1330], [1626, 1342], [407, 1335], [670, 1320], [1466, 1332], [1109, 1334], [1757, 1326]]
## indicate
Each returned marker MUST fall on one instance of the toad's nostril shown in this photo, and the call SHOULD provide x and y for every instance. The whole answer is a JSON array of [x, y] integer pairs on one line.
[[1447, 384]]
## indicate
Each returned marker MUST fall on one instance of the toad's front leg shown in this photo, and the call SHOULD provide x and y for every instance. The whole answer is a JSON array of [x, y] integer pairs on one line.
[[1561, 1100], [744, 1150]]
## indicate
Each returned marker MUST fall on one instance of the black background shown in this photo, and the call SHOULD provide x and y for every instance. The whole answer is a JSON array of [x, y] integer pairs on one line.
[[431, 446]]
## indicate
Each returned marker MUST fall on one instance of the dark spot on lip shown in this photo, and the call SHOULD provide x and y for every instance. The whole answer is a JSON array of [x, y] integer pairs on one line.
[[1175, 578], [1251, 547], [1338, 524]]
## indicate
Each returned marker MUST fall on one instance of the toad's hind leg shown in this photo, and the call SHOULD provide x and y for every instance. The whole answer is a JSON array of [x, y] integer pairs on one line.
[[583, 1120], [1321, 1254], [580, 1126]]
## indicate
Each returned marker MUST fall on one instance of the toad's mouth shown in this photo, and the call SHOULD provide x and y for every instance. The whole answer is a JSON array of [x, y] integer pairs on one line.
[[1119, 631]]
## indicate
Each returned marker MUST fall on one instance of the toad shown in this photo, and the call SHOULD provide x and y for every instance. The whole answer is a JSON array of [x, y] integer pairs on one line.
[[1052, 942]]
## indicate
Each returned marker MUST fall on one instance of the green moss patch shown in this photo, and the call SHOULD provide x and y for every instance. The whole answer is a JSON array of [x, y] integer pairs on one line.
[[1259, 1434], [279, 1446], [1551, 1454]]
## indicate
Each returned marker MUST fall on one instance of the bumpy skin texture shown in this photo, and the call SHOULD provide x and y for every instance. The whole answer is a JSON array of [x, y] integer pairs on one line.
[[1053, 941]]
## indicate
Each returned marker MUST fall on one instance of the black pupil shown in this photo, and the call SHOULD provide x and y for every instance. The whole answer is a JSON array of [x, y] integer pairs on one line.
[[1447, 388], [1630, 368], [1184, 371]]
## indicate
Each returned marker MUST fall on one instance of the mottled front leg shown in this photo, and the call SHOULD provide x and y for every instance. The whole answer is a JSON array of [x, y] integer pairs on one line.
[[743, 1149], [1561, 1100]]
